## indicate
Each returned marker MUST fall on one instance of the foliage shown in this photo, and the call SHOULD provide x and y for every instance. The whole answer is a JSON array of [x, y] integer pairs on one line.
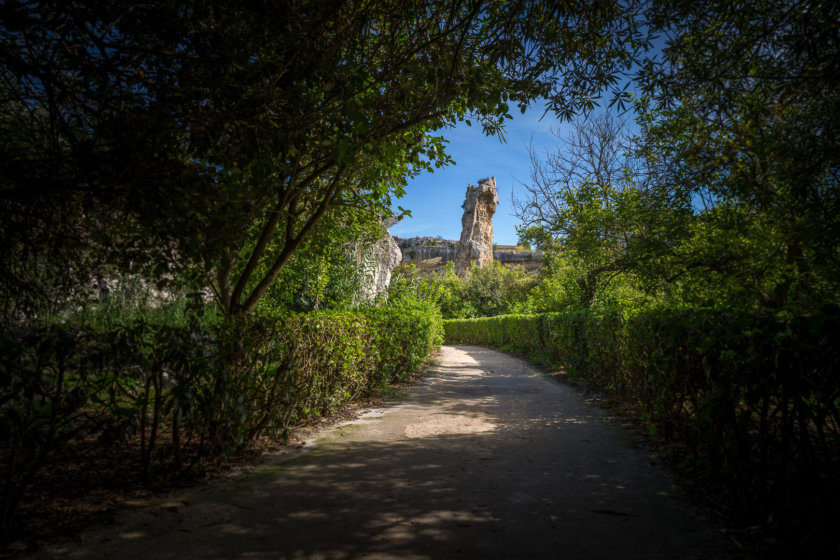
[[752, 400], [729, 193], [592, 207], [325, 272], [408, 329], [212, 139], [557, 287], [480, 292], [742, 119], [206, 388]]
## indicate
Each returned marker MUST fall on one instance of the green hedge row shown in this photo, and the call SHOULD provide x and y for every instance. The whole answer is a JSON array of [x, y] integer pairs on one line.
[[754, 401], [188, 394]]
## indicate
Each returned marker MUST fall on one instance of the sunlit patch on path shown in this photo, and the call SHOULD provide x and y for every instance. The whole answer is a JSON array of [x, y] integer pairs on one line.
[[449, 425]]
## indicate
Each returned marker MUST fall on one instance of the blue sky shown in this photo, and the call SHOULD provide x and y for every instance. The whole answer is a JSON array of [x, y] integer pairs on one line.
[[435, 198]]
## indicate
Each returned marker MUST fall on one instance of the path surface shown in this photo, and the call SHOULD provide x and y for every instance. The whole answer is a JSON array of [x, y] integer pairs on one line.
[[485, 458]]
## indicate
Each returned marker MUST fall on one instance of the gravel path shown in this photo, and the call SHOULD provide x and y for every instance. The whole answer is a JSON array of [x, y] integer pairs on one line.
[[485, 458]]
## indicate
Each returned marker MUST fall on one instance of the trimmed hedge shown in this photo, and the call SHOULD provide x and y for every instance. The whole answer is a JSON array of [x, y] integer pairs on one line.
[[405, 335], [753, 400], [190, 393]]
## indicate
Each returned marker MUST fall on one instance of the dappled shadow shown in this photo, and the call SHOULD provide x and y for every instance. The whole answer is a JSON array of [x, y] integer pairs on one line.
[[543, 477]]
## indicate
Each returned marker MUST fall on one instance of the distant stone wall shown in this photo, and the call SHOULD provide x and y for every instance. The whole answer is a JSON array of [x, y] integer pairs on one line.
[[434, 253], [529, 260], [421, 249]]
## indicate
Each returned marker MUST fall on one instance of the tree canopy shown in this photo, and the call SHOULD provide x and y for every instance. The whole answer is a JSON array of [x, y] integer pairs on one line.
[[729, 193], [210, 138], [744, 120]]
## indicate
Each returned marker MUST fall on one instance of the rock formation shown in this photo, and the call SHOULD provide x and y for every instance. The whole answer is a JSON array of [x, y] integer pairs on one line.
[[421, 250], [476, 244], [512, 255], [377, 260]]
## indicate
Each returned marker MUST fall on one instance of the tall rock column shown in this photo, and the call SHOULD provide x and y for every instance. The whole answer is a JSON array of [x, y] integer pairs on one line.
[[476, 244]]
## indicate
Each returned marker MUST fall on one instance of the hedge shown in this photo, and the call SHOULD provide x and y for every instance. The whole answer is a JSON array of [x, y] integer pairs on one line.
[[189, 393], [752, 400]]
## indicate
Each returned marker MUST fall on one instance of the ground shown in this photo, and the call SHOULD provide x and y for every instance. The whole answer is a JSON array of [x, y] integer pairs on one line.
[[485, 457]]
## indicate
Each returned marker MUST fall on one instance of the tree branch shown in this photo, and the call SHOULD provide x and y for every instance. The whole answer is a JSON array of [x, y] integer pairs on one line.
[[290, 246]]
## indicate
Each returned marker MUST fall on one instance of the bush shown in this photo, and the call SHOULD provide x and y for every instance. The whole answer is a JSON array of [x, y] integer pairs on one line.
[[481, 292], [406, 332]]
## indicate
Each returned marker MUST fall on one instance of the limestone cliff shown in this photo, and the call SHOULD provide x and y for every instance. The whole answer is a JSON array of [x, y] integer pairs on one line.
[[476, 244]]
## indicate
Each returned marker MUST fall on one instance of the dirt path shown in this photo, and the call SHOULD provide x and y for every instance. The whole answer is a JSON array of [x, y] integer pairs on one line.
[[485, 458]]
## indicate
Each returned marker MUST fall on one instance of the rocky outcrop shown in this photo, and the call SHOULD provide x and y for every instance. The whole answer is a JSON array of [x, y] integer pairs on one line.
[[377, 260], [512, 255], [422, 249], [476, 244]]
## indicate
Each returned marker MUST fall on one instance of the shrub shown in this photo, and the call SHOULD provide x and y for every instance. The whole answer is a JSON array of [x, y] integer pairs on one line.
[[406, 332], [481, 292]]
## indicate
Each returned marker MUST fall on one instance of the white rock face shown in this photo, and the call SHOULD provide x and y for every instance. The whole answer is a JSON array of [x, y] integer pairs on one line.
[[377, 261], [476, 244]]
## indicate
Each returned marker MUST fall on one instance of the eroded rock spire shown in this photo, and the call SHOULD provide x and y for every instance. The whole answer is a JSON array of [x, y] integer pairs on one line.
[[476, 244]]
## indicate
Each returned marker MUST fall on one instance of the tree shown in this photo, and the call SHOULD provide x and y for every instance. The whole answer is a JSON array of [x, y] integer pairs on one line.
[[589, 200], [736, 168], [745, 121], [211, 138]]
